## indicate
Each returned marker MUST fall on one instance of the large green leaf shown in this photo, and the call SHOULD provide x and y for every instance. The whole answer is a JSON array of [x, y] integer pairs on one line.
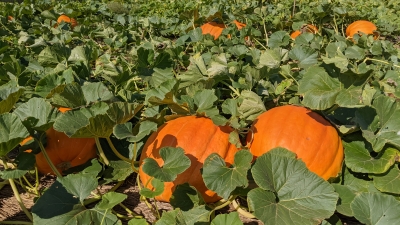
[[80, 215], [36, 114], [9, 95], [186, 197], [95, 121], [223, 179], [110, 199], [376, 209], [390, 181], [12, 132], [223, 219], [319, 89], [305, 56], [359, 159], [54, 202], [288, 192], [79, 185], [175, 162]]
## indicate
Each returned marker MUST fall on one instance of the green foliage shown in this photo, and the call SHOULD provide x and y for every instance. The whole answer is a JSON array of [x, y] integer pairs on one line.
[[129, 66]]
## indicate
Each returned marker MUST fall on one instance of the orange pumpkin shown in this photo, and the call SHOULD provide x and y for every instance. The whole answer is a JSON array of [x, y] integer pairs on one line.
[[63, 151], [10, 18], [302, 131], [199, 137], [67, 19], [213, 28], [239, 25], [308, 28], [360, 27]]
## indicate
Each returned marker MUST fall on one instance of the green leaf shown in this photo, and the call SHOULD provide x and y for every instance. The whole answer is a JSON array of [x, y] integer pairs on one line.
[[359, 159], [288, 192], [389, 181], [204, 99], [278, 39], [319, 89], [55, 201], [69, 95], [158, 189], [376, 209], [355, 52], [9, 95], [118, 171], [168, 218], [80, 215], [230, 106], [95, 121], [223, 219], [196, 215], [218, 65], [12, 132], [251, 105], [175, 162], [12, 173], [270, 58], [110, 199], [186, 197], [79, 185], [388, 110], [305, 56], [96, 91], [138, 222], [78, 55], [222, 179], [125, 130], [36, 113], [346, 196]]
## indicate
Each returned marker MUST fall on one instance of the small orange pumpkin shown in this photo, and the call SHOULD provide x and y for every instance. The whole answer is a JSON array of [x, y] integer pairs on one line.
[[301, 131], [10, 18], [199, 137], [308, 28], [67, 19], [63, 151], [213, 28], [360, 27]]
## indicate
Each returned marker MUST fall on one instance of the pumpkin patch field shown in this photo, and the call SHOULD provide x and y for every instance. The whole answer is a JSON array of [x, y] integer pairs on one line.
[[228, 112]]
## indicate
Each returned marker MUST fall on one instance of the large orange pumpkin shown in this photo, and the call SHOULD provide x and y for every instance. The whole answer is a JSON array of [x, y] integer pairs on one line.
[[308, 28], [199, 137], [301, 131], [63, 151], [67, 19], [360, 27]]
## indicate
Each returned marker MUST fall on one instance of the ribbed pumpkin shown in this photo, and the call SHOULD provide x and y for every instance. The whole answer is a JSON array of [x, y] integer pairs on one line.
[[67, 19], [361, 26], [199, 137], [301, 131], [308, 28], [63, 151]]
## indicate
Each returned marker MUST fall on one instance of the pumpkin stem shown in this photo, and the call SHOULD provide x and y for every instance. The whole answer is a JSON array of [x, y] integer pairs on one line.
[[116, 151], [55, 170], [240, 210], [101, 152], [17, 196]]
